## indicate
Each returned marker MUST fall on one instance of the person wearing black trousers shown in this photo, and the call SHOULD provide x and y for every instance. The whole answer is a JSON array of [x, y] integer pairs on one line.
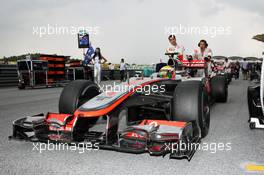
[[122, 70]]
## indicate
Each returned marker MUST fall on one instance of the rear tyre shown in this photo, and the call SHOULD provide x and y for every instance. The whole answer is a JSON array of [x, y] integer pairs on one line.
[[75, 94], [191, 105], [219, 89]]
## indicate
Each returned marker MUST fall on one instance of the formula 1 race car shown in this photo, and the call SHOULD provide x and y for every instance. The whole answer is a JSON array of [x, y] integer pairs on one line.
[[156, 115], [255, 102], [199, 70], [219, 69]]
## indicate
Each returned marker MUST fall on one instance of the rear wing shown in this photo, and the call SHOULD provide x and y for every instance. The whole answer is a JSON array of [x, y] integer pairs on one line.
[[199, 64]]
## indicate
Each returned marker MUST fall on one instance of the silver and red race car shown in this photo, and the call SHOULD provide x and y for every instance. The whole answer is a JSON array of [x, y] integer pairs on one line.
[[159, 115]]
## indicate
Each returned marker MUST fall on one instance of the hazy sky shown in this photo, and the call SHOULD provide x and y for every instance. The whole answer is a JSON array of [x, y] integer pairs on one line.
[[136, 30]]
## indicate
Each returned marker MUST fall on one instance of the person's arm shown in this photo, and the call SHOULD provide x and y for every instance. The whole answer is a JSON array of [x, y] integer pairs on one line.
[[210, 53], [168, 51], [92, 60], [104, 60], [228, 65], [183, 53], [195, 55], [224, 65]]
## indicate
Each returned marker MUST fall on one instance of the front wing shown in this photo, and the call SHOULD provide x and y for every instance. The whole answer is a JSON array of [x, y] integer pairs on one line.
[[157, 137]]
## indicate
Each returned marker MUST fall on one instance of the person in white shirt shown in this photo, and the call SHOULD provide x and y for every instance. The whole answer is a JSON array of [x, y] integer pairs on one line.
[[98, 59], [112, 71], [227, 66], [244, 66], [175, 48], [122, 70], [203, 51]]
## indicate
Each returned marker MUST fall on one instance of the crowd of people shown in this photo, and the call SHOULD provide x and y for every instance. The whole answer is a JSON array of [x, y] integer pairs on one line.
[[250, 70]]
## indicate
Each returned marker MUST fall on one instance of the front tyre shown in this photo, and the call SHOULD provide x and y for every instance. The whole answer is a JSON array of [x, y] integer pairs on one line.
[[191, 104], [75, 94]]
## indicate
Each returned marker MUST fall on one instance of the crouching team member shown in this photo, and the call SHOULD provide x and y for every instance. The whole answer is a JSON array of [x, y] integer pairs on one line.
[[175, 47]]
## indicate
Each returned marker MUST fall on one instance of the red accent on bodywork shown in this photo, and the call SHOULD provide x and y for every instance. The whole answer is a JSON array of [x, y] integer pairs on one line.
[[194, 63], [155, 148], [68, 119], [163, 122], [104, 111], [100, 112], [132, 134], [60, 117]]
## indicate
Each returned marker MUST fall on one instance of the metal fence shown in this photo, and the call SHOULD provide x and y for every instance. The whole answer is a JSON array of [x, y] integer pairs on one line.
[[9, 78], [8, 75]]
